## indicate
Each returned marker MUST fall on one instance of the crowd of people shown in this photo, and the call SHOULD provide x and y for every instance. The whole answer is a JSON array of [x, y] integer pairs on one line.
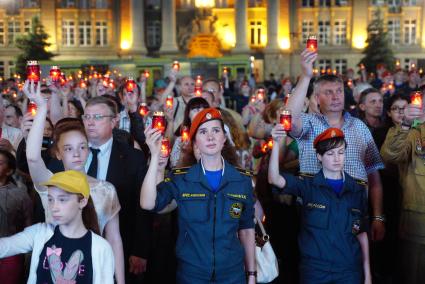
[[104, 182]]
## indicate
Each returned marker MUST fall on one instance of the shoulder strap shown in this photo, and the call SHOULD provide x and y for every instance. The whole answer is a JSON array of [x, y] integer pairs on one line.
[[180, 171], [244, 171]]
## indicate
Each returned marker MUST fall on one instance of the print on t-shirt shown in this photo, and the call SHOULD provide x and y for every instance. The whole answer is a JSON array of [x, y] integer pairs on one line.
[[65, 261]]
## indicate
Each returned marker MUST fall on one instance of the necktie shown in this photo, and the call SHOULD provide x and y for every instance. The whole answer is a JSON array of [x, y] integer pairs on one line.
[[93, 165]]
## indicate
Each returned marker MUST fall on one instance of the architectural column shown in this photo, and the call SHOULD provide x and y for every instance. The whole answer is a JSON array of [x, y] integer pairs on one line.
[[241, 20], [423, 25], [273, 10], [169, 31], [48, 19], [359, 24], [137, 26]]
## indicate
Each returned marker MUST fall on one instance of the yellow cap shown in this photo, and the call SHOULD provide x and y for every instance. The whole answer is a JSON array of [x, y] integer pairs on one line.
[[70, 181]]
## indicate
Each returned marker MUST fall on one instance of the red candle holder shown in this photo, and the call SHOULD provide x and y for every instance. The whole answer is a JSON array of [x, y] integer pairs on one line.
[[198, 91], [32, 108], [146, 73], [225, 70], [130, 85], [55, 74], [184, 133], [264, 147], [83, 84], [33, 71], [198, 80], [312, 43], [270, 143], [261, 94], [165, 148], [62, 79], [169, 102], [286, 120], [176, 65], [416, 98], [158, 121], [143, 109], [253, 98]]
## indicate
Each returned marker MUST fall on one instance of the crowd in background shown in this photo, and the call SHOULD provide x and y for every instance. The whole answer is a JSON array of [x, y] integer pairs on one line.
[[100, 109]]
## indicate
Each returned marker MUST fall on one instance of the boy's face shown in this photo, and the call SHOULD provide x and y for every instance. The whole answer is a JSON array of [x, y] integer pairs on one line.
[[333, 160]]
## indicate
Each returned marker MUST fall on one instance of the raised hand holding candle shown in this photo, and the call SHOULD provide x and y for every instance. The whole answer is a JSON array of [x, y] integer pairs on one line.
[[158, 121], [312, 43], [286, 120], [33, 71], [416, 98]]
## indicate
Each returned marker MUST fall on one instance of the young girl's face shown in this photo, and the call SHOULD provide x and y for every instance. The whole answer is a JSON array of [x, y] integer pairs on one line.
[[73, 150], [65, 207], [333, 160]]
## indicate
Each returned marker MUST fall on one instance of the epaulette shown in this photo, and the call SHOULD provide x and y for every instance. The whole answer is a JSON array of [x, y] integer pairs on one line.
[[180, 171], [245, 171], [307, 175], [361, 182]]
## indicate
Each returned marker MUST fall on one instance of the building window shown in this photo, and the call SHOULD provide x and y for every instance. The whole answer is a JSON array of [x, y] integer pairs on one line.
[[340, 32], [2, 69], [325, 3], [69, 3], [1, 33], [85, 33], [12, 67], [394, 31], [101, 4], [341, 2], [340, 65], [153, 34], [307, 3], [324, 32], [221, 3], [324, 64], [31, 4], [68, 33], [307, 29], [13, 31], [410, 2], [101, 33], [255, 27], [410, 32], [27, 26], [378, 2], [408, 63]]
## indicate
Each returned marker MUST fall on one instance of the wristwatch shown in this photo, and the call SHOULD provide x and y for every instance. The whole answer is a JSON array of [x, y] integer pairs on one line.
[[380, 218], [251, 273]]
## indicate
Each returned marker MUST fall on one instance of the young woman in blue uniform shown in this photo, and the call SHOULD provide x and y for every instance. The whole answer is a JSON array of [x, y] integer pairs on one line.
[[216, 241], [333, 239]]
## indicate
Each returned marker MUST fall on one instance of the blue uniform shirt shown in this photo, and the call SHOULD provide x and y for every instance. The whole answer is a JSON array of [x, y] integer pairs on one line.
[[330, 223], [209, 220]]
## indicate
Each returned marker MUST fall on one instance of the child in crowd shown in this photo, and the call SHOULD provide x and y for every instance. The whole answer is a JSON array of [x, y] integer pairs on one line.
[[333, 239], [15, 215], [69, 252]]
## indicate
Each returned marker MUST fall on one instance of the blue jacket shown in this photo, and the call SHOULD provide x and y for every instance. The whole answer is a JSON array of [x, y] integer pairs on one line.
[[207, 243], [330, 224]]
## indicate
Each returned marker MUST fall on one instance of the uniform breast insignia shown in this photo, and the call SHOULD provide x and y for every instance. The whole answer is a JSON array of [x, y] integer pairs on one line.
[[193, 195], [355, 228], [239, 196], [167, 179], [361, 182], [236, 210], [311, 205]]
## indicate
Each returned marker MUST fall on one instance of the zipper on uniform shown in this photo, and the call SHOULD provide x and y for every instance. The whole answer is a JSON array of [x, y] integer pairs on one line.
[[213, 244]]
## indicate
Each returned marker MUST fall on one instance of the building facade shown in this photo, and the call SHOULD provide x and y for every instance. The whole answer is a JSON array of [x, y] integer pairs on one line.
[[273, 32]]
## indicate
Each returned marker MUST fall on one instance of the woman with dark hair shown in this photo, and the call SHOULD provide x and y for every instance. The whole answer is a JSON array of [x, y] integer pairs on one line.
[[71, 147], [216, 209]]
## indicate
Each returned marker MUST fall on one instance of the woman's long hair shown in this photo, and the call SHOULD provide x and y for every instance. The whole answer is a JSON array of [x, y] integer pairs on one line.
[[193, 103], [89, 215]]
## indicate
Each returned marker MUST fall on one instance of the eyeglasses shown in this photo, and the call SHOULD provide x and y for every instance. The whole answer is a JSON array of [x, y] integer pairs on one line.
[[96, 117], [398, 109]]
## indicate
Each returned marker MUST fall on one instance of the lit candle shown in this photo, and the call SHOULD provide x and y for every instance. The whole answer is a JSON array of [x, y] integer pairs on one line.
[[176, 65], [260, 94], [55, 74], [158, 121], [169, 102], [184, 133], [286, 120], [32, 108], [198, 91], [146, 74], [83, 84], [33, 71], [270, 143], [416, 98], [165, 148], [143, 109], [253, 98], [225, 70], [130, 85], [312, 43]]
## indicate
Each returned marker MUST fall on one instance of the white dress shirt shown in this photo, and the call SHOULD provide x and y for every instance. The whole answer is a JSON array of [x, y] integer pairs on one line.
[[102, 159]]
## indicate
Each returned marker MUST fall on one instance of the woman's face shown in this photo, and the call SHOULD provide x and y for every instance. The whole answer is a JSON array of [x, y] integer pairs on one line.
[[73, 150], [396, 112], [210, 138], [72, 111], [193, 112]]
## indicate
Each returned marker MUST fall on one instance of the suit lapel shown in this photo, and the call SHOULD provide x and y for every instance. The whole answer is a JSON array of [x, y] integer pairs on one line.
[[116, 164]]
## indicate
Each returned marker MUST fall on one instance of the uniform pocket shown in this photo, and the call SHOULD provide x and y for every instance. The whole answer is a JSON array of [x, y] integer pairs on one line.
[[316, 215], [233, 207], [354, 221], [194, 209]]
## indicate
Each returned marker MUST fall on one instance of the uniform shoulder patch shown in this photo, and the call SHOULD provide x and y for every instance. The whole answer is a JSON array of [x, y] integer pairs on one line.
[[180, 171], [245, 171], [307, 175]]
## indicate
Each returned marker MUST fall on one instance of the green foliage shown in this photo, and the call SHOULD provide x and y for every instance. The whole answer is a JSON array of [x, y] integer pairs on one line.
[[378, 48], [33, 46]]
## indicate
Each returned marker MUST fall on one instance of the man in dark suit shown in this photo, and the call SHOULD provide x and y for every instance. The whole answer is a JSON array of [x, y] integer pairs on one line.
[[119, 163]]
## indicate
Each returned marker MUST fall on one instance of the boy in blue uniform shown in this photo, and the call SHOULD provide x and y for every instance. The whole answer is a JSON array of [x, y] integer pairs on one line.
[[333, 239]]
